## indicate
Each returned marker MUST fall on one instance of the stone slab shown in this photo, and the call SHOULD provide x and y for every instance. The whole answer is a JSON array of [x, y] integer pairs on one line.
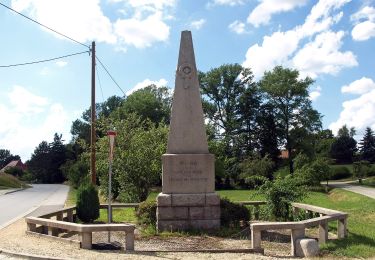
[[188, 173], [178, 225], [307, 247]]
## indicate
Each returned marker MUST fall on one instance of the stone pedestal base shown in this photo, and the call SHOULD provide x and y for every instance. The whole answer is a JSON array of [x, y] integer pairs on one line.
[[188, 211]]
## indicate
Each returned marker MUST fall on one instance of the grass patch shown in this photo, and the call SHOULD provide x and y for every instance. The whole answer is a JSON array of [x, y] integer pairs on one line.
[[8, 181], [370, 181], [119, 215], [72, 197], [361, 222]]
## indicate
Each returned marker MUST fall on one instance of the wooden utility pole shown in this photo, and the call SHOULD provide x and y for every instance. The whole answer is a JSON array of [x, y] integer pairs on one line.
[[93, 116]]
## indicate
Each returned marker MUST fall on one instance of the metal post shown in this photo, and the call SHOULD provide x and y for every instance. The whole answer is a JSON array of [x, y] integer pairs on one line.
[[109, 199], [93, 115]]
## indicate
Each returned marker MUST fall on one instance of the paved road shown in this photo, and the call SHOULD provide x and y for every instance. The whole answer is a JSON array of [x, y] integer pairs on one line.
[[367, 191], [40, 199]]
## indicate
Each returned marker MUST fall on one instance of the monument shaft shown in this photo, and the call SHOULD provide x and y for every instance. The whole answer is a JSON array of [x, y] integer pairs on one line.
[[188, 198]]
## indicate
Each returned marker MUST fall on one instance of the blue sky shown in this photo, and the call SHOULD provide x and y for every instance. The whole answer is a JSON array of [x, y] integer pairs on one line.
[[138, 40]]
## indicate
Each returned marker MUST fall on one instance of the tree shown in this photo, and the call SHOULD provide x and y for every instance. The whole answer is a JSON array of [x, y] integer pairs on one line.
[[288, 96], [231, 102], [360, 169], [367, 146], [6, 157], [344, 146], [137, 159], [152, 102], [46, 161], [324, 140]]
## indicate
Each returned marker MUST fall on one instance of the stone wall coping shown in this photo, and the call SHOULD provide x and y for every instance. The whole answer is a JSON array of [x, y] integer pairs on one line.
[[80, 227]]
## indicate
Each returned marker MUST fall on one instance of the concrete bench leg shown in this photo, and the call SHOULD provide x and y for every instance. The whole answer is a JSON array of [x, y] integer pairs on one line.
[[341, 228], [53, 231], [31, 227], [70, 216], [323, 232], [129, 241], [256, 239], [296, 234], [86, 240]]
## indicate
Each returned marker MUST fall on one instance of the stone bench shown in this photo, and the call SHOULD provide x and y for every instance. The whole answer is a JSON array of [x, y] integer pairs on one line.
[[53, 227]]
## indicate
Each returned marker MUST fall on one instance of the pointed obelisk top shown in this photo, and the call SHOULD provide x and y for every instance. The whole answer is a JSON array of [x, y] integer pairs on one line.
[[187, 132]]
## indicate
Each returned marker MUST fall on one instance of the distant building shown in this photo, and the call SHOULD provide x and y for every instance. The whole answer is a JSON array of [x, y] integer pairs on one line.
[[284, 154], [16, 163]]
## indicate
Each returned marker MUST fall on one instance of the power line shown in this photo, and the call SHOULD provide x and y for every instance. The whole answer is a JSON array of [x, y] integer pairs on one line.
[[45, 26], [109, 74], [100, 84], [40, 61]]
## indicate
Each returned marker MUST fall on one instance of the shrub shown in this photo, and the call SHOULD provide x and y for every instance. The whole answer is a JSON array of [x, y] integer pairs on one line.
[[76, 172], [301, 160], [87, 202], [280, 194], [232, 214], [255, 181], [340, 172], [146, 213], [312, 174], [256, 165], [371, 171]]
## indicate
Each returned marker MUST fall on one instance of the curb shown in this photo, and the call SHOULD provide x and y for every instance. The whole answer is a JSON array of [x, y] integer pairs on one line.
[[12, 191], [29, 256]]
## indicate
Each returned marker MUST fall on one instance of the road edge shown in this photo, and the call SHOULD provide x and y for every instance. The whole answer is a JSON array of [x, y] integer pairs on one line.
[[29, 256]]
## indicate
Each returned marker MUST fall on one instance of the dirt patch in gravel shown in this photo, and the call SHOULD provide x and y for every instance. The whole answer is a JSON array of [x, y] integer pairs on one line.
[[14, 238]]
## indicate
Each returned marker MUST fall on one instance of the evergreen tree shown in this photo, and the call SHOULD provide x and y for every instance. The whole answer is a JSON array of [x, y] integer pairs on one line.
[[367, 146]]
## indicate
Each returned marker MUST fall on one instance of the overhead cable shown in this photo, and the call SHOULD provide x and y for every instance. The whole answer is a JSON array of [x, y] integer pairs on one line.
[[109, 74], [45, 26], [40, 61]]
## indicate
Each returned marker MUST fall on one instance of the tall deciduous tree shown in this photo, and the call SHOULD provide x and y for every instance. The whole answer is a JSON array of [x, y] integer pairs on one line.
[[152, 103], [289, 97], [367, 146], [230, 98]]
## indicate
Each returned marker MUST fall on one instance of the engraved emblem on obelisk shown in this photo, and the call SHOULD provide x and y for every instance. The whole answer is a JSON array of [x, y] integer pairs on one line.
[[186, 73]]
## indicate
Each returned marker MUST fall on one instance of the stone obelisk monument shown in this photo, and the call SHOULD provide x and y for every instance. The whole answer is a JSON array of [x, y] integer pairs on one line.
[[188, 199]]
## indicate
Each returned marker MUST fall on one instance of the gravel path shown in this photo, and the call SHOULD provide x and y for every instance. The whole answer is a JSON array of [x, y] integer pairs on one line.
[[13, 238], [366, 191]]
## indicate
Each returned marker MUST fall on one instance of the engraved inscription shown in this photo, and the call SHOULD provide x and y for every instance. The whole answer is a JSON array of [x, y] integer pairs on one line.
[[187, 171]]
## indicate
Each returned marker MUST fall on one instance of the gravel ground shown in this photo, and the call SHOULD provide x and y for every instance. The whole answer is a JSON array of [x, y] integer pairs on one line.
[[13, 238]]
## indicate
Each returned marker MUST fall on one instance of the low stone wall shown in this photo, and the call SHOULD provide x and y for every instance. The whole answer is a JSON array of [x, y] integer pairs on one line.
[[64, 222], [298, 228]]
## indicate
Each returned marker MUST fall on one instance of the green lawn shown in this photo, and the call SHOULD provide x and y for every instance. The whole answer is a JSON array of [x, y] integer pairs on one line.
[[361, 222]]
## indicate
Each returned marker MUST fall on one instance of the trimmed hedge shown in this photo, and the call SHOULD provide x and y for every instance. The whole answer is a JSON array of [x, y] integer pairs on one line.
[[87, 203], [233, 214], [340, 172], [146, 213]]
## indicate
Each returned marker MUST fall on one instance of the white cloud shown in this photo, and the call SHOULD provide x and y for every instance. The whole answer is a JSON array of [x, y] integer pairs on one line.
[[27, 119], [226, 2], [61, 63], [197, 24], [358, 113], [363, 31], [82, 20], [142, 33], [237, 27], [315, 93], [323, 55], [280, 47], [146, 83], [364, 21], [25, 102], [144, 25], [359, 86], [263, 12]]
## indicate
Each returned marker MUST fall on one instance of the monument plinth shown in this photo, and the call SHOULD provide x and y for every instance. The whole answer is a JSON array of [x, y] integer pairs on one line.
[[188, 198]]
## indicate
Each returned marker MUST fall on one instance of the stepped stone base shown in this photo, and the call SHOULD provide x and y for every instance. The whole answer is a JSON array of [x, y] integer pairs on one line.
[[188, 211]]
